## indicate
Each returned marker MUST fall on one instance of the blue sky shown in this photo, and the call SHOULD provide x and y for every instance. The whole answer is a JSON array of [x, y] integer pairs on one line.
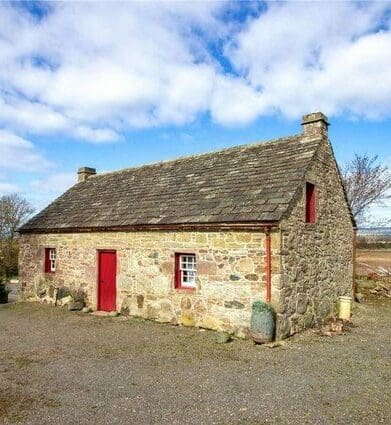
[[121, 84]]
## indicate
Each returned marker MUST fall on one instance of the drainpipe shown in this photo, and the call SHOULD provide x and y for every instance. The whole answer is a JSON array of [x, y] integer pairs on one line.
[[354, 287], [268, 265]]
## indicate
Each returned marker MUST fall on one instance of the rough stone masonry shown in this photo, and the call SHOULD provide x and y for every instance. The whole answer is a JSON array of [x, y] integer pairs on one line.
[[217, 207]]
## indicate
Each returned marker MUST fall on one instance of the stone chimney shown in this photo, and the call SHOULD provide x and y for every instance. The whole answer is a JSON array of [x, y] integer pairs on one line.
[[84, 173], [315, 124]]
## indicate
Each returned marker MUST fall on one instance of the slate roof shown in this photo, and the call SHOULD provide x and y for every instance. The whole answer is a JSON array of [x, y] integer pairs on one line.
[[249, 183]]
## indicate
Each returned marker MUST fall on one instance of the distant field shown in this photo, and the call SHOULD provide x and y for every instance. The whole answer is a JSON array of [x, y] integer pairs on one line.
[[369, 260]]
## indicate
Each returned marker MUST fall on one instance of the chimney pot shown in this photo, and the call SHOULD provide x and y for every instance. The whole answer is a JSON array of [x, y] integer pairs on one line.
[[315, 124], [84, 173]]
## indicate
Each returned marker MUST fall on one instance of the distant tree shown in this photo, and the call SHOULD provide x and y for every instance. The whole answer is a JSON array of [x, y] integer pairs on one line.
[[14, 210], [366, 183]]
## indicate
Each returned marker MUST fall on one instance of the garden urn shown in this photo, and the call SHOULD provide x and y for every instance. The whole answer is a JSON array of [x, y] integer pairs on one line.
[[262, 322]]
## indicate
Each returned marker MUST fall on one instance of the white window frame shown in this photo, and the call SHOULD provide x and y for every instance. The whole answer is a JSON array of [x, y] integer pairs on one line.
[[52, 259], [188, 271]]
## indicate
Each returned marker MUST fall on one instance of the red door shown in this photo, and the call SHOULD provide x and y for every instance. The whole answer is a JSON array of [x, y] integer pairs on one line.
[[107, 291]]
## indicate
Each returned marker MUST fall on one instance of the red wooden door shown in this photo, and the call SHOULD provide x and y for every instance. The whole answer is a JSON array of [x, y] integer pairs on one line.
[[107, 291]]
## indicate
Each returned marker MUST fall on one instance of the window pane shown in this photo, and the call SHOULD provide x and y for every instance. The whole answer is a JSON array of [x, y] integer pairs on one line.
[[188, 262], [188, 278], [191, 266], [191, 277], [187, 267]]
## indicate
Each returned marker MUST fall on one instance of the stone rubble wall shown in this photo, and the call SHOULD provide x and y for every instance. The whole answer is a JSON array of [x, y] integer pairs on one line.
[[230, 273], [312, 264], [317, 259]]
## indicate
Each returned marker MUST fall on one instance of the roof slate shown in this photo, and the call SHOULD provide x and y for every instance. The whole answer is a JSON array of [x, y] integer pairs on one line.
[[249, 183]]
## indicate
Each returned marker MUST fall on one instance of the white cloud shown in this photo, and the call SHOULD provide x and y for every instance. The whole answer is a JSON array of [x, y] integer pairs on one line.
[[31, 116], [98, 135], [54, 184], [126, 65], [43, 190], [313, 56], [94, 71], [19, 154], [236, 102]]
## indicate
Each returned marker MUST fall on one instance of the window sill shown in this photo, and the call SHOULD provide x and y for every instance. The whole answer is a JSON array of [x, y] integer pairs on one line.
[[185, 290]]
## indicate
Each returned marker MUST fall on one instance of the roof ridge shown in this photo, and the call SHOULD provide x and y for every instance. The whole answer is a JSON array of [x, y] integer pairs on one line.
[[197, 155]]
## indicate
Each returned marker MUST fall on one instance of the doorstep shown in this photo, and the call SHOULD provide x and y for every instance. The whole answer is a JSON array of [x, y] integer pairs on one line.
[[100, 313]]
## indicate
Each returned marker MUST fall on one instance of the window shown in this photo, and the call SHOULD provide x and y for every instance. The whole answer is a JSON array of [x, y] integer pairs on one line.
[[185, 271], [310, 203], [50, 260]]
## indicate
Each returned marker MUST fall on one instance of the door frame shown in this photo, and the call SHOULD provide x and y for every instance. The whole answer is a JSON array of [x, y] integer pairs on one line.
[[98, 252]]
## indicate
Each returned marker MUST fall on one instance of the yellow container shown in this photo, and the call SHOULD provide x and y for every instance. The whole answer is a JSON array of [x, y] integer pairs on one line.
[[188, 319], [345, 305]]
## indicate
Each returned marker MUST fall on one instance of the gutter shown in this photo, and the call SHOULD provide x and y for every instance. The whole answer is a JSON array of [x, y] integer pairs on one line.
[[222, 226]]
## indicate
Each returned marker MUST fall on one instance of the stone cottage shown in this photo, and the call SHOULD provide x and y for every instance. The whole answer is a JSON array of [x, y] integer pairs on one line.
[[197, 240]]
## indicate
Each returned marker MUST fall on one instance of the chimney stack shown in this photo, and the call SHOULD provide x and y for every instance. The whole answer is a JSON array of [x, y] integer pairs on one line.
[[315, 124], [84, 173]]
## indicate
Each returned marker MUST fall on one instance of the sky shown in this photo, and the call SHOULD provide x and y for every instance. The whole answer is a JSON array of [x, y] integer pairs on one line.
[[114, 85]]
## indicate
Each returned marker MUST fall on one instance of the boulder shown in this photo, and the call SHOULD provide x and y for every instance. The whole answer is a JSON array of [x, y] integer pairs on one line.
[[41, 293], [233, 304], [75, 306], [275, 344], [63, 292], [223, 338], [125, 310], [65, 301]]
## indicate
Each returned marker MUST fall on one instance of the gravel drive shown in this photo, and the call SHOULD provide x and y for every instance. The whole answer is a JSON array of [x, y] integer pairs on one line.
[[72, 368]]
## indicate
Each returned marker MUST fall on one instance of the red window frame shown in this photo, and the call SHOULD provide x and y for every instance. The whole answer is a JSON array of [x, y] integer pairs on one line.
[[310, 203], [48, 260], [178, 272]]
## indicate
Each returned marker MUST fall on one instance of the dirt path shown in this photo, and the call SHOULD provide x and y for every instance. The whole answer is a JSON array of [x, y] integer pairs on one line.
[[69, 368]]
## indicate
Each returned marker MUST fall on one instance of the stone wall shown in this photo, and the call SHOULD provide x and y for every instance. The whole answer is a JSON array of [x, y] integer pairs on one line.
[[312, 264], [317, 259], [230, 273]]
